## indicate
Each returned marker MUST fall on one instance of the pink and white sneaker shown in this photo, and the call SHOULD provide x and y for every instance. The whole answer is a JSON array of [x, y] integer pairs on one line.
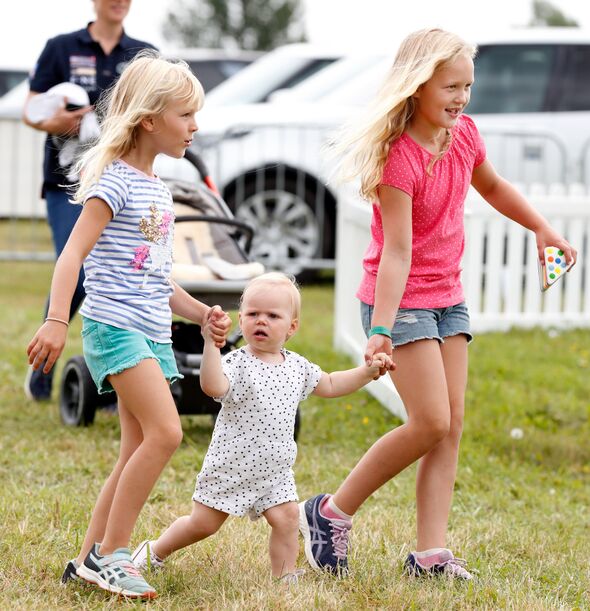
[[440, 562]]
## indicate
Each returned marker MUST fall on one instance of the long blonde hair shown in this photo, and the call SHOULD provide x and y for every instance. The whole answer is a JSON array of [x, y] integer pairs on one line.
[[364, 145], [146, 87]]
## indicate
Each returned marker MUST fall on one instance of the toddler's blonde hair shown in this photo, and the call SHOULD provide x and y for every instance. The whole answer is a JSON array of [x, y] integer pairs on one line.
[[364, 145], [147, 85], [278, 280]]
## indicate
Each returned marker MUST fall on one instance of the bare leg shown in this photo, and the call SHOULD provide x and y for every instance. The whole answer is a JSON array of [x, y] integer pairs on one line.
[[145, 393], [131, 438], [438, 468], [420, 381], [284, 537], [202, 523]]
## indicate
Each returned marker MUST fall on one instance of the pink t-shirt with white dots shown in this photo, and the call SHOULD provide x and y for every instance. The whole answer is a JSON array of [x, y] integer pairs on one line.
[[438, 236]]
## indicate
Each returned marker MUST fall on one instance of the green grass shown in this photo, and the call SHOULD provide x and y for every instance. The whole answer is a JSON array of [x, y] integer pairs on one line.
[[520, 512], [25, 235]]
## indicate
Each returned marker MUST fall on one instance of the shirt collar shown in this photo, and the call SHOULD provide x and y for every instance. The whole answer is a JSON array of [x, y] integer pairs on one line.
[[124, 42]]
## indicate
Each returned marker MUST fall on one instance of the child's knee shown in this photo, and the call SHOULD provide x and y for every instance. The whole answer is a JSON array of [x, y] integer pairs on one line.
[[284, 517], [169, 438], [435, 425], [202, 526]]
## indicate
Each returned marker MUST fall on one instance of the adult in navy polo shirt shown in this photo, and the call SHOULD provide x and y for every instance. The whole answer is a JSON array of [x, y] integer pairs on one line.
[[92, 58]]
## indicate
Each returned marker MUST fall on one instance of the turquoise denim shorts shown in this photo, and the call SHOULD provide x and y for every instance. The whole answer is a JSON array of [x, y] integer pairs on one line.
[[415, 324], [109, 350]]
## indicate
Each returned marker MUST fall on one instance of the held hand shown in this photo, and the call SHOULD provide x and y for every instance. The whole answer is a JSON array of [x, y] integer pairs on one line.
[[381, 364], [47, 345], [376, 344], [548, 237], [217, 325]]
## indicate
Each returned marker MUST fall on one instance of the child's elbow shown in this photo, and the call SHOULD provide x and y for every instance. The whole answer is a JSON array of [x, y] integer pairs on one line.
[[212, 389]]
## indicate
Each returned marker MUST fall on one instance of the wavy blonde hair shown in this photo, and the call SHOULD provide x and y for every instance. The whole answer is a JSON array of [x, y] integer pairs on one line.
[[364, 145], [146, 87]]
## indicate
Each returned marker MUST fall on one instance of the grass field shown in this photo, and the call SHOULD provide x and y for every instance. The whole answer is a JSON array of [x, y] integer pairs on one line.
[[521, 506]]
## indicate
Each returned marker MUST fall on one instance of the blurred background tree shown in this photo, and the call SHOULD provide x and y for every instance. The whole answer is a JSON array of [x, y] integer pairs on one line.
[[244, 24], [547, 14]]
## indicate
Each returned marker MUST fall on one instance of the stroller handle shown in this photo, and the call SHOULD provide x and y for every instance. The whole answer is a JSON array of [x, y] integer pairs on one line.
[[245, 229], [202, 169]]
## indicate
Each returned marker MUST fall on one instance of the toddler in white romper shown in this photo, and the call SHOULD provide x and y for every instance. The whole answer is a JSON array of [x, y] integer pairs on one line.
[[249, 464], [248, 469]]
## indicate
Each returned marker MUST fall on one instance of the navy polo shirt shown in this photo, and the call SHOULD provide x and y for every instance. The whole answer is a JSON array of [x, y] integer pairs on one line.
[[77, 58]]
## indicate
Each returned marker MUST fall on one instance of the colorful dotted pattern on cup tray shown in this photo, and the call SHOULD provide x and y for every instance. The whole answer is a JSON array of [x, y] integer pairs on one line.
[[555, 264]]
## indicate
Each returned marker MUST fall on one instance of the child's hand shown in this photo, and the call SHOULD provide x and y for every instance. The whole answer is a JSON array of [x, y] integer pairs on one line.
[[548, 237], [216, 326], [377, 344], [47, 344], [381, 363]]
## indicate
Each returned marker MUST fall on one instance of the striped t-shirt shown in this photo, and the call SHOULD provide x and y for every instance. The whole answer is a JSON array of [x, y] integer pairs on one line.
[[128, 270]]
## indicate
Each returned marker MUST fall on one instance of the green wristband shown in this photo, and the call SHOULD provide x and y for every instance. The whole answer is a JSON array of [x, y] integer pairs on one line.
[[380, 331]]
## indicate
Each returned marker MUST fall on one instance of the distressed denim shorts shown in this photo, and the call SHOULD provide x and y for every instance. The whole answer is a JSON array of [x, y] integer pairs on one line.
[[109, 350], [413, 324]]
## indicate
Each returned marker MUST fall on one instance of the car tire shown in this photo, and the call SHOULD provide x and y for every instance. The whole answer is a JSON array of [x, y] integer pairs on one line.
[[283, 211]]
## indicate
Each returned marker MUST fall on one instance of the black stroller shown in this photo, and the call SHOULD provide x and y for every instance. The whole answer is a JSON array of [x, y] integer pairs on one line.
[[211, 263]]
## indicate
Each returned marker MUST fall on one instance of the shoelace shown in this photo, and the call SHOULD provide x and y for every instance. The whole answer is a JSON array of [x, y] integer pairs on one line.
[[291, 578], [456, 566], [340, 536], [128, 567]]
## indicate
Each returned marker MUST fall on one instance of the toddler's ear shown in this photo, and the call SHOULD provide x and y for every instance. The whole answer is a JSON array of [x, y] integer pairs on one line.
[[293, 328]]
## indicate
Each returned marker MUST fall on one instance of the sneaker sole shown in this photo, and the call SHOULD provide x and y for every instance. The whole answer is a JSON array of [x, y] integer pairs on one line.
[[69, 575], [27, 388], [138, 550], [304, 530], [91, 577]]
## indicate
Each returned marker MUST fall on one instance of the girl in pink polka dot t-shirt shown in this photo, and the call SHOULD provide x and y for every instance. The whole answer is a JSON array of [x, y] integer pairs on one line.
[[417, 154]]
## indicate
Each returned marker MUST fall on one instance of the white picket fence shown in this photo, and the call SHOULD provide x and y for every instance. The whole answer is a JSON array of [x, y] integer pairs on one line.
[[500, 274], [21, 170]]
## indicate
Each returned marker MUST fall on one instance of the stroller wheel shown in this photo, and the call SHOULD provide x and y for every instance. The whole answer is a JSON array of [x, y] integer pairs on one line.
[[78, 397]]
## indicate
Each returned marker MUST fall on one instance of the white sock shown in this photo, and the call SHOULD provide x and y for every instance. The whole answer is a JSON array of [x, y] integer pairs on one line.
[[335, 510], [429, 552]]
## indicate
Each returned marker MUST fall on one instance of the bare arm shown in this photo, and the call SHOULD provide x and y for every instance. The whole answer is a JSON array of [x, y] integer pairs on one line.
[[500, 194], [340, 383], [213, 381], [183, 304], [63, 122], [47, 344], [394, 267]]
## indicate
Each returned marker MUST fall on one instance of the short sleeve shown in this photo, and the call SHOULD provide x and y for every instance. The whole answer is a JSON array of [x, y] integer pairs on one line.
[[229, 365], [47, 71], [479, 146], [402, 168], [311, 377], [112, 189]]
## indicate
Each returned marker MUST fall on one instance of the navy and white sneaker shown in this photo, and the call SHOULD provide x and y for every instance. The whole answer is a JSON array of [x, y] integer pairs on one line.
[[38, 385], [442, 562], [69, 573], [326, 539], [115, 573]]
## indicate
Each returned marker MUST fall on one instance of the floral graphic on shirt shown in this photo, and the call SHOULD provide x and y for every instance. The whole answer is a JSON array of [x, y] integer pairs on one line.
[[141, 254], [156, 229]]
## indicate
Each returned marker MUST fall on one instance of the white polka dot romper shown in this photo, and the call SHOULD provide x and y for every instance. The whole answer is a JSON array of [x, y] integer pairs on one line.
[[248, 467]]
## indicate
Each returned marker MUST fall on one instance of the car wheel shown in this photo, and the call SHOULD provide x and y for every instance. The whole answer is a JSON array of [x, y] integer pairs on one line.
[[78, 397], [286, 224]]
